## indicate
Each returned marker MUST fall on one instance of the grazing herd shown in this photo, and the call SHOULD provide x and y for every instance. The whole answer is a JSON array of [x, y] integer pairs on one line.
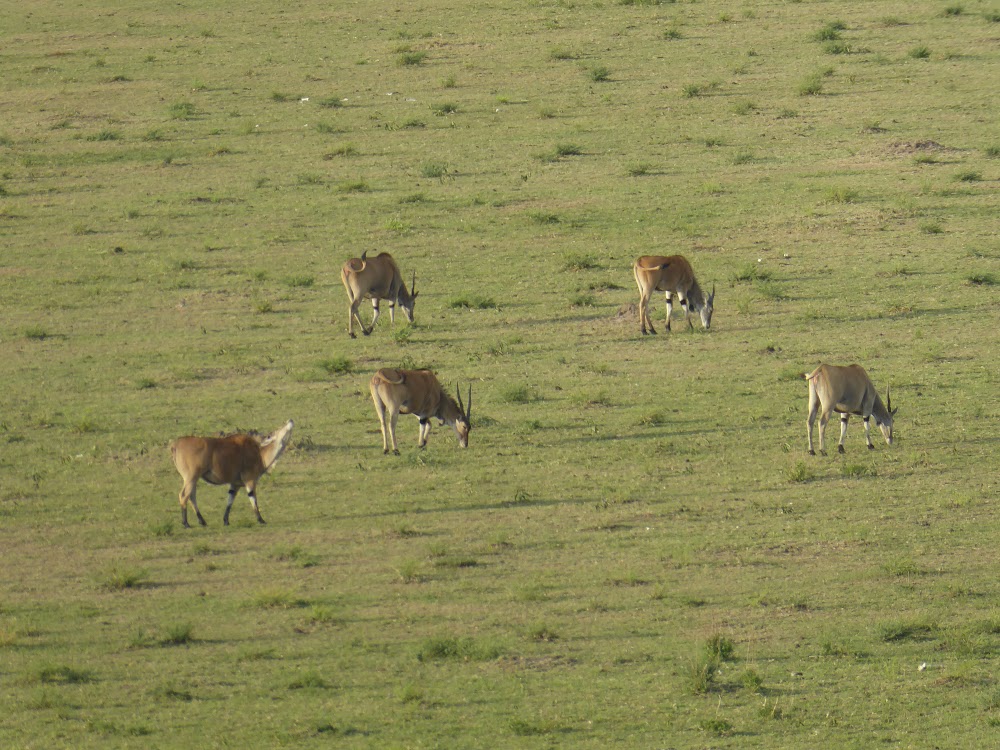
[[239, 460]]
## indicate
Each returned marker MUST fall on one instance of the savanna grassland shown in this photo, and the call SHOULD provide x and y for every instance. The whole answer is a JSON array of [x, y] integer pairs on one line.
[[635, 550]]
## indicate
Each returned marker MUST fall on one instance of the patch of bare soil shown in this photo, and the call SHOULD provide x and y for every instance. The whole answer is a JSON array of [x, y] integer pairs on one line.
[[535, 663], [918, 147], [629, 311]]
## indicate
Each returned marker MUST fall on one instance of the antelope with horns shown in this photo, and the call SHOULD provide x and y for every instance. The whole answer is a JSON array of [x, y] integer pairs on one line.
[[673, 275], [376, 279], [417, 392], [237, 460], [846, 390]]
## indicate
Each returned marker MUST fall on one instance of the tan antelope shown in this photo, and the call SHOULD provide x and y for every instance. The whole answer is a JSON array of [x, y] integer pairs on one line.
[[846, 390], [673, 275], [237, 460], [376, 279], [417, 392]]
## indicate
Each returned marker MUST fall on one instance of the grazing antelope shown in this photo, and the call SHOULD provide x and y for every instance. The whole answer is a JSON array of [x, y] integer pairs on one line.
[[673, 275], [417, 392], [846, 390], [237, 460], [376, 279]]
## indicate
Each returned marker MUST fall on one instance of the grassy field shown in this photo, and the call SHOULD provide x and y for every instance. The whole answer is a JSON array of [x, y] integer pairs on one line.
[[635, 550]]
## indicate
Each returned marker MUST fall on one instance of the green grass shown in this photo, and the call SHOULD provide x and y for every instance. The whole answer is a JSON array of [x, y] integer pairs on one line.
[[811, 85], [599, 73], [982, 279], [178, 634], [121, 577], [182, 110], [339, 365], [411, 58], [635, 549], [65, 675], [434, 170]]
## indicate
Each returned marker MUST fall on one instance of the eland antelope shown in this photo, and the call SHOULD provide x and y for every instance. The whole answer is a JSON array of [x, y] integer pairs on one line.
[[376, 279], [417, 392], [237, 460], [673, 275], [846, 390]]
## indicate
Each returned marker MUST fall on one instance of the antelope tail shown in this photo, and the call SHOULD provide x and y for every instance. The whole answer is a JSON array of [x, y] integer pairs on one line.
[[383, 375], [659, 267], [358, 264]]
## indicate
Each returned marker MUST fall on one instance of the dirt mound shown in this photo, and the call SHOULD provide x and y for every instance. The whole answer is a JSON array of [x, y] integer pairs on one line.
[[631, 310], [916, 147]]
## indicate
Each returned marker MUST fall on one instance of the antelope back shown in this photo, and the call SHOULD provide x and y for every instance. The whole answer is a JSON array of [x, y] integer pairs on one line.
[[410, 391], [217, 460], [665, 273]]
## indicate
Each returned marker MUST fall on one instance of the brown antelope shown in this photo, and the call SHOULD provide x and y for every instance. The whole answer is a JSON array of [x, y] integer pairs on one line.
[[673, 275], [376, 279], [417, 392], [237, 460], [846, 390]]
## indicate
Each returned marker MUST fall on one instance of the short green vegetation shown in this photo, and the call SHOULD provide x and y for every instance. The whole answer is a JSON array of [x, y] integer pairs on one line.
[[635, 549]]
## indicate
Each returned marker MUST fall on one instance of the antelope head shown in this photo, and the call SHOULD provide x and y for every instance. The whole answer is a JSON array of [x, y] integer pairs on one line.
[[406, 301], [463, 425], [886, 425], [274, 444], [707, 310]]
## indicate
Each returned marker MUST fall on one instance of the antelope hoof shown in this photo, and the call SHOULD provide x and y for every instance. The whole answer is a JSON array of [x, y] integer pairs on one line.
[[822, 453], [871, 447], [353, 335], [366, 333], [185, 524], [840, 449], [812, 452], [261, 521]]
